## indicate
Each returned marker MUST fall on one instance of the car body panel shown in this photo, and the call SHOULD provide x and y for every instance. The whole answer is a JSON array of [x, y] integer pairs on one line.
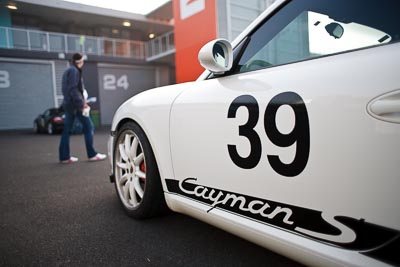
[[201, 111], [295, 247], [350, 184], [151, 110], [291, 157]]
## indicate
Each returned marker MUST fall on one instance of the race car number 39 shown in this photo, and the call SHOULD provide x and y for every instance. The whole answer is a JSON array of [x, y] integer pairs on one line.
[[299, 135]]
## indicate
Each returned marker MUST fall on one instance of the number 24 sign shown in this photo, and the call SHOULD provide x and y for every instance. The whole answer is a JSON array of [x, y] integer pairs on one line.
[[112, 82]]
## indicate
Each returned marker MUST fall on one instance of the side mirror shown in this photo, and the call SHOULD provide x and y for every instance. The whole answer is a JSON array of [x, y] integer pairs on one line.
[[216, 56]]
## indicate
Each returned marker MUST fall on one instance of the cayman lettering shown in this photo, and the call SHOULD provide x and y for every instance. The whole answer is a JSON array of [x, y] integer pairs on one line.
[[218, 197], [338, 230]]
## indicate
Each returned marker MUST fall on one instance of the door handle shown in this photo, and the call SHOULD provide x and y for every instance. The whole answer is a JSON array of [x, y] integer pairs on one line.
[[386, 107]]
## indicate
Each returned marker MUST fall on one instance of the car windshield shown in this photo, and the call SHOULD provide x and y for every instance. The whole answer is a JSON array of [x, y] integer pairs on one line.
[[55, 111], [306, 29]]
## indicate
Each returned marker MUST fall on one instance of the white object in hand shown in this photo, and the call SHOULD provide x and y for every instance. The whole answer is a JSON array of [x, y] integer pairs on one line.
[[86, 111]]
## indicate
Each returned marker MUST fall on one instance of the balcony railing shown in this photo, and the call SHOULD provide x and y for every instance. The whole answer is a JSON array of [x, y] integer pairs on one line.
[[13, 38], [161, 46]]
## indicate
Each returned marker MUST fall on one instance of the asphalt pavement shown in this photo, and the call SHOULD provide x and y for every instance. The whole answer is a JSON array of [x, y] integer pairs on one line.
[[69, 215]]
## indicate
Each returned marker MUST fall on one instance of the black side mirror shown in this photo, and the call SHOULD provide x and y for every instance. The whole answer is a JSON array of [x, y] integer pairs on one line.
[[335, 29]]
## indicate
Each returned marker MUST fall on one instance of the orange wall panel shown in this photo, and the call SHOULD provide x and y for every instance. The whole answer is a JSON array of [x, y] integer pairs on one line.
[[195, 25]]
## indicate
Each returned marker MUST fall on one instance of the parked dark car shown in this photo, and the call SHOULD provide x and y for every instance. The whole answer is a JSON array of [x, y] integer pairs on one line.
[[52, 121]]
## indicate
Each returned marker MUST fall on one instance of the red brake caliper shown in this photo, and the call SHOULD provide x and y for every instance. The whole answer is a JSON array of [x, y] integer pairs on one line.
[[143, 169]]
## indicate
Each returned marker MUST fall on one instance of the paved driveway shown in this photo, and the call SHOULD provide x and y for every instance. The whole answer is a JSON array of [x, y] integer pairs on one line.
[[68, 215]]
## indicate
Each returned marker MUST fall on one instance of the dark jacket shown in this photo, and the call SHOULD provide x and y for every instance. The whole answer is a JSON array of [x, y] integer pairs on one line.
[[72, 89]]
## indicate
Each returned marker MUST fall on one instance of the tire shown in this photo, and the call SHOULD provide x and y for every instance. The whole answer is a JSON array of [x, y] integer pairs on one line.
[[50, 128], [36, 127], [137, 179]]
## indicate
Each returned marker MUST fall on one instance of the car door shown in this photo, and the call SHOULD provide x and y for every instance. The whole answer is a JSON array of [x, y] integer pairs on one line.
[[303, 133]]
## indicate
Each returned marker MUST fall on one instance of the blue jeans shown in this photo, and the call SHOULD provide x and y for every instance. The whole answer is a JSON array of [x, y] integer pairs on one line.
[[88, 131]]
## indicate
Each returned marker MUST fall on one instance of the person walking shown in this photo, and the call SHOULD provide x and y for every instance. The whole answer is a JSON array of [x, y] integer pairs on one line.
[[75, 106]]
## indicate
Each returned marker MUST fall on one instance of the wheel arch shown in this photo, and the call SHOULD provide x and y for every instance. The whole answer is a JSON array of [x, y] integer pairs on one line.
[[125, 120], [151, 201], [161, 154], [151, 111]]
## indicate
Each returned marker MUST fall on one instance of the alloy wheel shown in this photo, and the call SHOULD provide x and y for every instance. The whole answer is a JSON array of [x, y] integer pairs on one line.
[[130, 170], [50, 128]]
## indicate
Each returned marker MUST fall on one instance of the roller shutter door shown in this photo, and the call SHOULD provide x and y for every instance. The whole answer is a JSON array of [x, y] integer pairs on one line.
[[27, 88], [120, 82]]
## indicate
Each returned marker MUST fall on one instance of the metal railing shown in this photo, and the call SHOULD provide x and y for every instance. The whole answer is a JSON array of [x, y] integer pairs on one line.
[[160, 46], [14, 38]]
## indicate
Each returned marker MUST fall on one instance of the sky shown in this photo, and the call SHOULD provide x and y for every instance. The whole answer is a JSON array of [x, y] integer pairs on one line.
[[133, 6]]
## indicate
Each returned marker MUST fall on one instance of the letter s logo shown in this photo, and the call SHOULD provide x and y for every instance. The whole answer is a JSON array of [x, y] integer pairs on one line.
[[347, 234]]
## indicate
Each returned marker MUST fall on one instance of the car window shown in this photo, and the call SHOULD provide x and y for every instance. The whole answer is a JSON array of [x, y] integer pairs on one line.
[[306, 29]]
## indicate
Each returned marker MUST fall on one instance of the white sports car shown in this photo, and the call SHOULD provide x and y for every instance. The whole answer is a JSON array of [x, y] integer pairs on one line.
[[290, 138]]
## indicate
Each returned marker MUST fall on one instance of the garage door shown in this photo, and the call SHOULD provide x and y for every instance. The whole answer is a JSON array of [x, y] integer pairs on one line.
[[120, 82], [27, 88]]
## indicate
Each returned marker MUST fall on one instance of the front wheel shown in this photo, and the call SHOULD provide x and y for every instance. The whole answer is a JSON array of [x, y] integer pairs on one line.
[[36, 128], [50, 129], [137, 179]]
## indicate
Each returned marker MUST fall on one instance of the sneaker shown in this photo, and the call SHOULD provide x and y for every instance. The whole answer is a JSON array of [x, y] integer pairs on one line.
[[98, 157], [70, 160]]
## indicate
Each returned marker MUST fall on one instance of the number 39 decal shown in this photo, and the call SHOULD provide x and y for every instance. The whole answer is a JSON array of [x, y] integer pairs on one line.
[[299, 135]]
